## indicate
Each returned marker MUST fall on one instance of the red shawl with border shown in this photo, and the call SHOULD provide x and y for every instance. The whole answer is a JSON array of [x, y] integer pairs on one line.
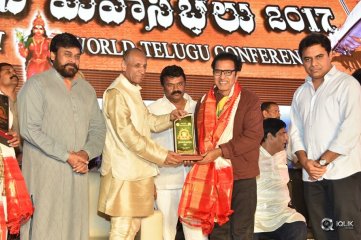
[[19, 205], [207, 191]]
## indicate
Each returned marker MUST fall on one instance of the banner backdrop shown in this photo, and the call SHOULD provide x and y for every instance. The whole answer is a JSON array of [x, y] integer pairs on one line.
[[187, 33]]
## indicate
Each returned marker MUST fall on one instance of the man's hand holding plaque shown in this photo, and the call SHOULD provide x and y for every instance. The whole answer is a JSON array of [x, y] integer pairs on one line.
[[177, 114], [184, 141], [210, 156], [173, 159]]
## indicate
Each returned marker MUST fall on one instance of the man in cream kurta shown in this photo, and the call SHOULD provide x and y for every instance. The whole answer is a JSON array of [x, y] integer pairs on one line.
[[130, 157], [273, 218], [169, 182]]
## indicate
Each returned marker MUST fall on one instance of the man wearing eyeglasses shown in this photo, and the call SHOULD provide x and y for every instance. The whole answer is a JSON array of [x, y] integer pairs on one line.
[[222, 186], [170, 180]]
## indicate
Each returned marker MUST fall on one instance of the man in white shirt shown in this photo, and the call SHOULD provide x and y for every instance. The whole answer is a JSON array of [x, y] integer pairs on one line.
[[357, 74], [270, 110], [326, 137], [169, 183], [273, 218]]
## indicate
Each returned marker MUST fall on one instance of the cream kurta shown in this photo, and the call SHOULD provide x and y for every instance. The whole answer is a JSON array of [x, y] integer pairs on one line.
[[272, 193], [129, 154], [53, 122]]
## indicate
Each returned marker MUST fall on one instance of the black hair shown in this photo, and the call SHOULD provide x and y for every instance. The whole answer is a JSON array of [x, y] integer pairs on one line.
[[314, 39], [228, 56], [272, 125], [357, 74], [266, 105], [3, 64], [65, 40], [171, 71]]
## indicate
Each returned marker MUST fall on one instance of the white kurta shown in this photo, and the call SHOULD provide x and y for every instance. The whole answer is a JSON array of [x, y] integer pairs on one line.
[[53, 122], [169, 177], [272, 193], [169, 182]]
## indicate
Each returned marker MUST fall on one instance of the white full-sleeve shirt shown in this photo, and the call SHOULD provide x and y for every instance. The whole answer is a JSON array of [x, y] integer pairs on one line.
[[329, 119], [169, 177], [272, 193]]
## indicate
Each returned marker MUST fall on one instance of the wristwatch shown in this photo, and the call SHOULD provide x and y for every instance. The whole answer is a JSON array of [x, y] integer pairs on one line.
[[323, 162]]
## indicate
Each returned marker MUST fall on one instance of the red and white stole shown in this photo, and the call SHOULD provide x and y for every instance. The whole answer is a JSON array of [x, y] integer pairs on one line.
[[19, 206], [207, 191]]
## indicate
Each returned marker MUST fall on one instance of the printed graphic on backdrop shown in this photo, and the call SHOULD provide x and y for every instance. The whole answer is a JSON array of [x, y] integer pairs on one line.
[[183, 32], [34, 47], [346, 40]]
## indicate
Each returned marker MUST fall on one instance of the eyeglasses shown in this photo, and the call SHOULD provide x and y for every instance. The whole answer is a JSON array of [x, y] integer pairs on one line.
[[218, 72]]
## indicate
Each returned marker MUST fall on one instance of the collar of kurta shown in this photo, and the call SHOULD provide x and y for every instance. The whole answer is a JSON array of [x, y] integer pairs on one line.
[[61, 78], [265, 153], [126, 83]]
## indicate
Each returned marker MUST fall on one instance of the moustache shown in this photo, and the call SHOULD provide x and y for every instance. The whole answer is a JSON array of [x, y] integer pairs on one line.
[[14, 76], [176, 92], [72, 65]]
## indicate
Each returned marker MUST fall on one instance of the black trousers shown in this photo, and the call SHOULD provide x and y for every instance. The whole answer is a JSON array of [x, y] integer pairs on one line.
[[241, 224], [296, 191], [334, 208], [288, 231]]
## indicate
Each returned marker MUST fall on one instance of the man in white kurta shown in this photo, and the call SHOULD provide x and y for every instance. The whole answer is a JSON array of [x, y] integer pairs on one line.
[[130, 156], [273, 218], [169, 182], [62, 128]]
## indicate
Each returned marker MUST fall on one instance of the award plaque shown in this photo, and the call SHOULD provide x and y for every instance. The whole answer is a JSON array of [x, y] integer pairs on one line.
[[184, 141], [4, 120]]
